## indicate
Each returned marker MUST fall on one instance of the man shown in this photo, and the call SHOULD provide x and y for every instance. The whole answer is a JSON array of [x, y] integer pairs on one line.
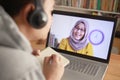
[[16, 59]]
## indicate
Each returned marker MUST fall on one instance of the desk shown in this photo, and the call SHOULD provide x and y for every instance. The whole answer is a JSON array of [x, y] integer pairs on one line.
[[113, 71]]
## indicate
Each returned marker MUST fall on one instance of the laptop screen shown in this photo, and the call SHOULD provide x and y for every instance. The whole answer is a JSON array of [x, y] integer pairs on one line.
[[82, 34]]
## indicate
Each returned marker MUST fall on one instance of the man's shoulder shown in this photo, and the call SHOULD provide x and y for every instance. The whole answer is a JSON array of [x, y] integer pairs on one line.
[[16, 55], [16, 62]]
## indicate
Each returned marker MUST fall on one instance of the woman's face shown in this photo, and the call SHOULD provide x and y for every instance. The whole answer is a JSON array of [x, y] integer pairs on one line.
[[79, 31]]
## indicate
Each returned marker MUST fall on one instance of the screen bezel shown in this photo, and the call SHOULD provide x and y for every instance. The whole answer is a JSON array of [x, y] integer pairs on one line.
[[92, 17]]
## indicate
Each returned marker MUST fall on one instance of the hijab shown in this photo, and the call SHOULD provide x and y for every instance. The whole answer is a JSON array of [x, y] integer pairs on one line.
[[79, 44]]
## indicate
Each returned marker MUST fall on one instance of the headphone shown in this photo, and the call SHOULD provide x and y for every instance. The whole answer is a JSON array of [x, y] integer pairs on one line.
[[37, 18]]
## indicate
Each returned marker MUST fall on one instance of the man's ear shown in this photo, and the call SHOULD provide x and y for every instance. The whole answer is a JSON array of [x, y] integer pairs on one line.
[[21, 18]]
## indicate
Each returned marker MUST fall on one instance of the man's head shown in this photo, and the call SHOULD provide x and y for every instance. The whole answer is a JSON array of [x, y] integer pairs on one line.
[[13, 7], [20, 11]]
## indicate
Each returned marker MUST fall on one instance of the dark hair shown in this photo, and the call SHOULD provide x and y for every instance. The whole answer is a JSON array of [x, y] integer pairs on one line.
[[13, 7]]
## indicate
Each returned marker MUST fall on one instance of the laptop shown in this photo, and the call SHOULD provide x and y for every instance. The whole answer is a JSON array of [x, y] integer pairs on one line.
[[100, 36]]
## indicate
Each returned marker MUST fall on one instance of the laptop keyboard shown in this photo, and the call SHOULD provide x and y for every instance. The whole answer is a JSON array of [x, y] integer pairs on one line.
[[82, 66]]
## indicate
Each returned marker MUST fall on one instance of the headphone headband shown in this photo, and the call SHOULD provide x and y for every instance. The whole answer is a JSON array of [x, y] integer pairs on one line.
[[38, 4]]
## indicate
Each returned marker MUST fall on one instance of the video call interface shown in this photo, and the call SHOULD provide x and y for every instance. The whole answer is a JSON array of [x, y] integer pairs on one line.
[[99, 33]]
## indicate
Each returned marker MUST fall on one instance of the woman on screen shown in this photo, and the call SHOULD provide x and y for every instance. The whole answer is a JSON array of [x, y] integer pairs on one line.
[[77, 41]]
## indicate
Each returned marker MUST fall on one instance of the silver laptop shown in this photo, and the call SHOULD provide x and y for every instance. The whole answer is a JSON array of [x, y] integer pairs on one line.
[[100, 36]]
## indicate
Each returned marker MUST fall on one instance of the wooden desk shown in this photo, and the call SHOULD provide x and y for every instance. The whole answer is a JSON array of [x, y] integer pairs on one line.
[[113, 71]]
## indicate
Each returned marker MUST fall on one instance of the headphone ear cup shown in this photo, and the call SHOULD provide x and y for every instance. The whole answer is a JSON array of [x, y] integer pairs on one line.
[[37, 18]]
